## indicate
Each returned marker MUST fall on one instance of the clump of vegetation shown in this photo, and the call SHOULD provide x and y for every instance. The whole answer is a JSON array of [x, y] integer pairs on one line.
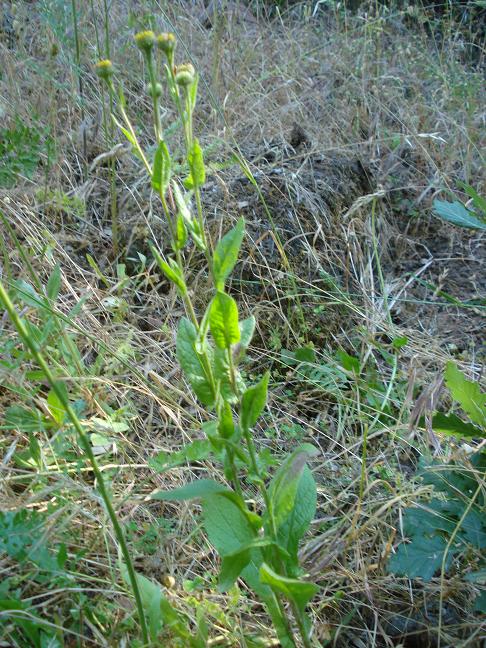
[[241, 312]]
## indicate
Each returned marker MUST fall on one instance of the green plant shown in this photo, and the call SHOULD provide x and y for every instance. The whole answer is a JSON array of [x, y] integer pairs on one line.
[[458, 214], [20, 151], [452, 523], [260, 547]]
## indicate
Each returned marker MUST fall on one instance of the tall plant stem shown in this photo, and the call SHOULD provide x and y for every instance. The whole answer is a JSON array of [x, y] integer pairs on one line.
[[86, 445], [80, 79]]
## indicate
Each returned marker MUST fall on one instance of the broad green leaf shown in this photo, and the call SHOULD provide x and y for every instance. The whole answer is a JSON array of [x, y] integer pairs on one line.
[[478, 200], [27, 293], [192, 362], [226, 253], [284, 485], [196, 164], [253, 402], [422, 558], [197, 450], [24, 420], [454, 426], [293, 589], [54, 283], [161, 168], [227, 526], [456, 213], [171, 270], [298, 521], [467, 393], [200, 488], [223, 321], [231, 568], [233, 564]]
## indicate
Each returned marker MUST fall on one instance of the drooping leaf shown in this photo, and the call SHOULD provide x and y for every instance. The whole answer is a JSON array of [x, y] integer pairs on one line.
[[247, 328], [467, 393], [223, 321], [199, 488], [298, 591], [192, 362], [234, 563], [226, 253], [161, 169], [283, 488], [456, 213], [171, 270], [253, 402]]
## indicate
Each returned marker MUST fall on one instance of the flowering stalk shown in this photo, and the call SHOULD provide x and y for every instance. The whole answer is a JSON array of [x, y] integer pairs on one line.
[[260, 548]]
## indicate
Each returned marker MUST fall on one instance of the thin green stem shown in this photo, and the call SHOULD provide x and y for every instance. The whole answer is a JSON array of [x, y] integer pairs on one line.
[[86, 445]]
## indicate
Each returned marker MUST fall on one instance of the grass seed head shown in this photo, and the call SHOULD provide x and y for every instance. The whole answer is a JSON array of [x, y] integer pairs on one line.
[[185, 74]]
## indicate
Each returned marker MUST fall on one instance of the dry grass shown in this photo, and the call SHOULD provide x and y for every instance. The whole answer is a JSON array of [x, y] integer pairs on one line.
[[388, 116]]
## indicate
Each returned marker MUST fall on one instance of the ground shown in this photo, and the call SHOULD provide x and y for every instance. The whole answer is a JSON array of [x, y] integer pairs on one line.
[[331, 131]]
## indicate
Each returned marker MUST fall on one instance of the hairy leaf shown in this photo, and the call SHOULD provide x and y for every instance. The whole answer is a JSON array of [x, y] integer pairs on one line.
[[253, 402], [223, 321], [226, 253], [456, 213], [192, 362], [161, 169]]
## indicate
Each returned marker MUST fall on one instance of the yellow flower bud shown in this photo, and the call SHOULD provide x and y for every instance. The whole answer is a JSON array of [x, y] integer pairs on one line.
[[104, 69], [185, 74], [166, 42], [145, 41]]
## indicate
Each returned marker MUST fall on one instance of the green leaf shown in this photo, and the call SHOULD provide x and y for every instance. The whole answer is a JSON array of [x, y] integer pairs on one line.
[[467, 393], [227, 526], [226, 426], [55, 405], [226, 253], [456, 213], [422, 558], [161, 169], [284, 485], [180, 233], [452, 425], [197, 489], [54, 283], [478, 200], [192, 363], [223, 321], [234, 563], [253, 402], [172, 271], [298, 521], [197, 450], [298, 591], [196, 164], [247, 328]]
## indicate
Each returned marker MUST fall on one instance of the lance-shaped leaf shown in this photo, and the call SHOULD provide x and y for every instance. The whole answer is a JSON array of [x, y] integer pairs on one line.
[[253, 402], [199, 488], [161, 168], [226, 253], [192, 362], [171, 270], [196, 165], [283, 488], [223, 321]]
